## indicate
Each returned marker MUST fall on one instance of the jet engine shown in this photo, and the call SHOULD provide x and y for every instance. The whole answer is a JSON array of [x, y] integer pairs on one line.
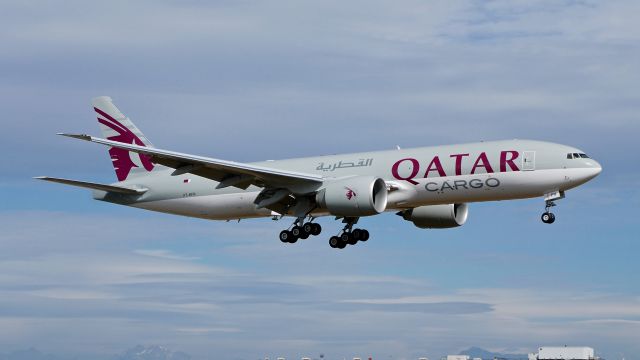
[[355, 196], [437, 216]]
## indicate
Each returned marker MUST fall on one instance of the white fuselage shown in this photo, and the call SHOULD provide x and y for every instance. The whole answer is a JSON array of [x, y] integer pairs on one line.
[[486, 171]]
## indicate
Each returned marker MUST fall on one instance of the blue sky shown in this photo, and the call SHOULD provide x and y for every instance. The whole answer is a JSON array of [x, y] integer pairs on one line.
[[250, 81]]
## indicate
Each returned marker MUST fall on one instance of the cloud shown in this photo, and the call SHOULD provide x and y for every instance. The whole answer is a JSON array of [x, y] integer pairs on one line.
[[203, 331], [165, 254], [252, 81], [162, 297], [451, 308]]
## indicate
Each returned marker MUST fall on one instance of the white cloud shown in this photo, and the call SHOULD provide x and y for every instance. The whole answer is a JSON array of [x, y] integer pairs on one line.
[[165, 254], [207, 330], [205, 78]]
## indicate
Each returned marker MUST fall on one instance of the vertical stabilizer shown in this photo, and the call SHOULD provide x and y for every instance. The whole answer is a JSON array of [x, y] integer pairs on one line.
[[117, 127]]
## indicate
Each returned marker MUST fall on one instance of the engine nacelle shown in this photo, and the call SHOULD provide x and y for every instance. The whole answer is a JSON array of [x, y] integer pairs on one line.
[[437, 216], [355, 196]]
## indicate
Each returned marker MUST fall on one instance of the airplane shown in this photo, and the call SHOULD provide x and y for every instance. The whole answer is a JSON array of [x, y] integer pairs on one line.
[[429, 186]]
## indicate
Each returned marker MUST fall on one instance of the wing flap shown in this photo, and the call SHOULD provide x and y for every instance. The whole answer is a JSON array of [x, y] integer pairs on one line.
[[94, 186]]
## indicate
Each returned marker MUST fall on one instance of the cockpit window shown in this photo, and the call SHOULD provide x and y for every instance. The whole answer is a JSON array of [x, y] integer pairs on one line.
[[577, 156]]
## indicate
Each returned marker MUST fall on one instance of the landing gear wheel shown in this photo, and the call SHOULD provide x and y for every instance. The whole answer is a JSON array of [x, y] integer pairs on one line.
[[348, 238], [334, 242], [357, 234], [296, 231], [308, 228], [304, 235], [316, 229], [287, 237], [548, 218], [365, 235], [545, 218]]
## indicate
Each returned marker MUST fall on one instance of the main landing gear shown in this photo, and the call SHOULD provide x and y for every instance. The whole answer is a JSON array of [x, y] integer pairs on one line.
[[348, 235], [547, 216], [300, 230]]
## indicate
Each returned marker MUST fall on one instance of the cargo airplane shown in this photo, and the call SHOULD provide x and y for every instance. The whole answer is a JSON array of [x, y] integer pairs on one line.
[[429, 186]]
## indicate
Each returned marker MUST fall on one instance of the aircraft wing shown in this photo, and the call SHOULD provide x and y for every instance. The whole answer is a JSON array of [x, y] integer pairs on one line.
[[228, 173]]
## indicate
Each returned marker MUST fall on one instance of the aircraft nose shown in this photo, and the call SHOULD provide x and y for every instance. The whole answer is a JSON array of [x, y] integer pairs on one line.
[[593, 170]]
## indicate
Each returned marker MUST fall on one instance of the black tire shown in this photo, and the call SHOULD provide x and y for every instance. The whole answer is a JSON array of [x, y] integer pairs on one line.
[[296, 231], [286, 236], [308, 228], [334, 242], [342, 245], [365, 235], [304, 235], [546, 218], [357, 234], [552, 218], [316, 229], [350, 239]]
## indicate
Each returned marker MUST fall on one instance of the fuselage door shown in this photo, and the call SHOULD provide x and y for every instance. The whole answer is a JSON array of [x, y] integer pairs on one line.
[[528, 160]]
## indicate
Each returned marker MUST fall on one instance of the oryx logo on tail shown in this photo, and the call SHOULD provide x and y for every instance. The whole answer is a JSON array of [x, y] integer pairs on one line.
[[121, 158]]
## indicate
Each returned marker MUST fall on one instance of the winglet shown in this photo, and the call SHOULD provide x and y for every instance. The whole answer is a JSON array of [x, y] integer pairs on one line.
[[77, 136]]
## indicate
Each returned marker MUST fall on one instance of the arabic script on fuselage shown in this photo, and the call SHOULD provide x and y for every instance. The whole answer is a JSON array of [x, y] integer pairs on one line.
[[344, 164]]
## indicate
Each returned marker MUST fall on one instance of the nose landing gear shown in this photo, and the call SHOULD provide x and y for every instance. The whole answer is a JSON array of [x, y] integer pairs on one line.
[[547, 216]]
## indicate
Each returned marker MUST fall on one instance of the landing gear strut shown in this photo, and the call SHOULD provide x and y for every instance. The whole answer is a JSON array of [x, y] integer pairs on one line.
[[300, 230], [348, 235], [547, 216]]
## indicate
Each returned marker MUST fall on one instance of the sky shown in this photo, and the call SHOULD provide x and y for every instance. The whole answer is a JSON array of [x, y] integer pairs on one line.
[[252, 80]]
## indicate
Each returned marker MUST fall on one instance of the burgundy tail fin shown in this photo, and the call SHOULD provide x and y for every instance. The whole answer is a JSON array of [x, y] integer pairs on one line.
[[117, 127]]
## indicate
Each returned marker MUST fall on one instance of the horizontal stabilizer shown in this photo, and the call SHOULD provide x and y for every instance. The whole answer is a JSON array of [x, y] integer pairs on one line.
[[94, 186]]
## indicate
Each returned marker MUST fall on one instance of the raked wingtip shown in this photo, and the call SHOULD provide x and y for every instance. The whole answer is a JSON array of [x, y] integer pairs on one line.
[[76, 136]]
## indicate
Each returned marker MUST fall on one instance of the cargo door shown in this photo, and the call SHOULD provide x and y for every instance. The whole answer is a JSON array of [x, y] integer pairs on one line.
[[528, 160]]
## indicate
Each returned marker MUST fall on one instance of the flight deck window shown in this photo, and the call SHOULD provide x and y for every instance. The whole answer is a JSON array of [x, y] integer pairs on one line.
[[576, 156], [569, 156], [584, 156]]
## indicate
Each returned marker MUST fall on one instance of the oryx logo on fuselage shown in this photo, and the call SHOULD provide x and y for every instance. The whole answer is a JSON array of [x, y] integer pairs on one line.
[[350, 193], [121, 158]]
